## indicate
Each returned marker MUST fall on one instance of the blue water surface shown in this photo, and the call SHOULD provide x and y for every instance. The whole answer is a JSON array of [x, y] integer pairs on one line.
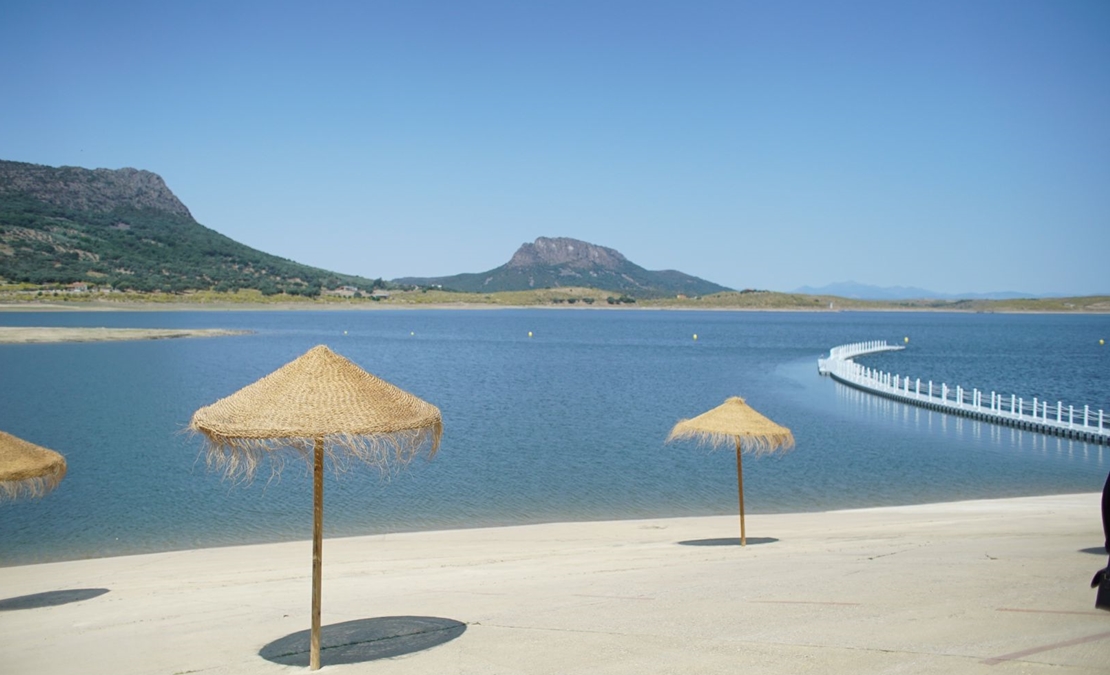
[[568, 424]]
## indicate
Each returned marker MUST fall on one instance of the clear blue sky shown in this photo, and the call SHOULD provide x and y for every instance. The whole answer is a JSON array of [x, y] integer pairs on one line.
[[956, 146]]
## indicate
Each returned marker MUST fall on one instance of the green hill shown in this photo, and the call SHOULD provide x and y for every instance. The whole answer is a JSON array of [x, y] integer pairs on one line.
[[562, 262], [125, 229]]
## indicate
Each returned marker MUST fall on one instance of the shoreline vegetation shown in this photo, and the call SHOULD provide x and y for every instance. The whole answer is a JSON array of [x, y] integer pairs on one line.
[[36, 335], [16, 298]]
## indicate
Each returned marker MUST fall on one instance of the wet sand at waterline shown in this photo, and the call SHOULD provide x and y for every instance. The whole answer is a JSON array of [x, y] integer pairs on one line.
[[987, 586], [25, 335]]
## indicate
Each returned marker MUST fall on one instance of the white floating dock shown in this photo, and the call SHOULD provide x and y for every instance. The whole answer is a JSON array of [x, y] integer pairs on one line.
[[1039, 416]]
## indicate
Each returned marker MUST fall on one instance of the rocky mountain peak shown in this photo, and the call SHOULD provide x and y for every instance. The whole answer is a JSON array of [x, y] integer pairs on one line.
[[553, 251], [561, 262], [90, 189]]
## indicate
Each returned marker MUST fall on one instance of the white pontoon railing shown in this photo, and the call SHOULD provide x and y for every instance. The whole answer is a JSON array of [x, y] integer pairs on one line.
[[1011, 410]]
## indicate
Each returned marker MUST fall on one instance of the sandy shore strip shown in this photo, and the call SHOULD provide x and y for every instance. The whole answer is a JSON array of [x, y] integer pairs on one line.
[[27, 334], [993, 586]]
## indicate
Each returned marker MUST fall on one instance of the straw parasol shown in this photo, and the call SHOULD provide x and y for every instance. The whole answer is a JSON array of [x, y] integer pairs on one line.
[[735, 420], [318, 405], [26, 469]]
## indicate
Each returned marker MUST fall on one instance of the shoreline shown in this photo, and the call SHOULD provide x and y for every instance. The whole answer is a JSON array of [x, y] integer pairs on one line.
[[304, 538], [947, 587], [467, 306], [45, 335], [917, 507], [76, 556]]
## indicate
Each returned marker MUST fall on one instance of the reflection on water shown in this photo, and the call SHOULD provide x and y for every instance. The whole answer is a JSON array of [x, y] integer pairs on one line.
[[883, 411]]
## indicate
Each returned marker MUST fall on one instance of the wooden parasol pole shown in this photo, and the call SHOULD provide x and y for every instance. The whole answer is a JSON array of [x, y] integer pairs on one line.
[[740, 485], [317, 552]]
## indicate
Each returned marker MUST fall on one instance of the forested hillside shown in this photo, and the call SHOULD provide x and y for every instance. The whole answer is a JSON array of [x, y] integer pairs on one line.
[[126, 230]]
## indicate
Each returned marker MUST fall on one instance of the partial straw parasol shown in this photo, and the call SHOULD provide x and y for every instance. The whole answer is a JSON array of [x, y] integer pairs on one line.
[[26, 469], [318, 404], [734, 421]]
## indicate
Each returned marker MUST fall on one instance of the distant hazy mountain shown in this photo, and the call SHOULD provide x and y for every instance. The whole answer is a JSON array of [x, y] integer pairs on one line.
[[561, 262], [851, 289]]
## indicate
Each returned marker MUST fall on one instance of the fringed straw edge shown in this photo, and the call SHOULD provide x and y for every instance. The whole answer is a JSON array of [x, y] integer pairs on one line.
[[755, 444], [238, 459], [35, 486]]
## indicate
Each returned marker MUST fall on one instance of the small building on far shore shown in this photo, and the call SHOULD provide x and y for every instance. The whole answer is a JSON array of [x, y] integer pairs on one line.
[[345, 292]]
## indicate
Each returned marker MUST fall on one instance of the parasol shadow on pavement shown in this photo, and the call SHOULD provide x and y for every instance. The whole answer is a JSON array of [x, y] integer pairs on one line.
[[727, 541], [365, 640], [50, 598]]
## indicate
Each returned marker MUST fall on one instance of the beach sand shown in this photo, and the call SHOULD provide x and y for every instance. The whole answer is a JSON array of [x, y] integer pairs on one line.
[[37, 334], [994, 586]]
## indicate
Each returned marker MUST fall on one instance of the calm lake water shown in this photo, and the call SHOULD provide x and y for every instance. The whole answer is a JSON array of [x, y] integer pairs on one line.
[[566, 425]]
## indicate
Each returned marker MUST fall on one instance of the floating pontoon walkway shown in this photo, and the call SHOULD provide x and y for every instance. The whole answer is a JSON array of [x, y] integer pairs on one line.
[[1039, 416]]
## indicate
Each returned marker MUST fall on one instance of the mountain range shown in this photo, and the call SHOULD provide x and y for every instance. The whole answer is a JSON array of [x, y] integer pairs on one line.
[[553, 262], [125, 229]]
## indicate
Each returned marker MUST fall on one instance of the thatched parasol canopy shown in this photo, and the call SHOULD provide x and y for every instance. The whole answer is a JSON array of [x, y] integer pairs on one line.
[[318, 404], [320, 395], [734, 421], [26, 469]]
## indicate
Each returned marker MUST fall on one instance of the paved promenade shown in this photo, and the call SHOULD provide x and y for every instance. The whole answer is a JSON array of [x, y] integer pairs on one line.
[[969, 587]]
